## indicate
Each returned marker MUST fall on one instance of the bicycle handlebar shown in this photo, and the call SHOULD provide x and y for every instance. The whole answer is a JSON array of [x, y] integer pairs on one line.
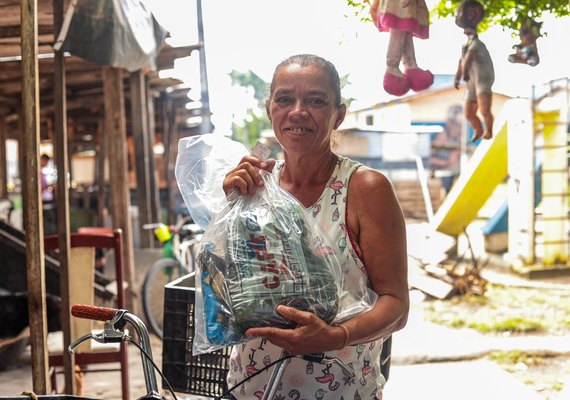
[[115, 320], [93, 312]]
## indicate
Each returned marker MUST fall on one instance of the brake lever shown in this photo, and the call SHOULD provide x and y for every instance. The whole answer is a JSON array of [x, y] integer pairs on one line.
[[110, 333]]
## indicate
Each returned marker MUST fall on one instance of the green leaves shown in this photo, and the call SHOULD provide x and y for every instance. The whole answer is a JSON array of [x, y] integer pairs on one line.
[[506, 13]]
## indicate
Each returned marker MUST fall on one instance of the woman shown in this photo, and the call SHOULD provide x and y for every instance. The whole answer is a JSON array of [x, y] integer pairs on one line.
[[358, 208]]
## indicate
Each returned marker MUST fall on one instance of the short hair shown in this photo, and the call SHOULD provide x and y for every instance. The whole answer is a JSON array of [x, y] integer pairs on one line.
[[305, 60], [45, 157]]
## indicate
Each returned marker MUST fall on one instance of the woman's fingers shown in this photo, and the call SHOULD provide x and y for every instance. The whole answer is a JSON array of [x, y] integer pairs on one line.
[[242, 178], [294, 315], [246, 176]]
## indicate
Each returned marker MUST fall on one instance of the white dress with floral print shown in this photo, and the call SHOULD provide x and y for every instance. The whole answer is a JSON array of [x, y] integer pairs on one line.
[[308, 380]]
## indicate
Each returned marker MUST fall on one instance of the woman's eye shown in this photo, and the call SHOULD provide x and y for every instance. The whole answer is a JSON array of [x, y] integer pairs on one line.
[[282, 100], [316, 102]]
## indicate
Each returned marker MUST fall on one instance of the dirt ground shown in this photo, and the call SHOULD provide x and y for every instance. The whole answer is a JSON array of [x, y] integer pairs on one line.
[[538, 307]]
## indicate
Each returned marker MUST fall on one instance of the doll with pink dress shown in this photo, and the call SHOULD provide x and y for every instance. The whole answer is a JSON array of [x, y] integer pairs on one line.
[[403, 19]]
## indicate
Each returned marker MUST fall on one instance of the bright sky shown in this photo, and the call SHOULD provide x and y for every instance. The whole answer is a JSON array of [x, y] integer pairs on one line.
[[257, 34]]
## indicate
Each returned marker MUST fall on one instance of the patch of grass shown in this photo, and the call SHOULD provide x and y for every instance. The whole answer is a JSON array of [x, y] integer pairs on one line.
[[514, 357], [503, 309], [518, 325]]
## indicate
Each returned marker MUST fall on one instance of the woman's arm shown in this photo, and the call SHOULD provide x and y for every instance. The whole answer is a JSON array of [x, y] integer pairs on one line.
[[377, 224]]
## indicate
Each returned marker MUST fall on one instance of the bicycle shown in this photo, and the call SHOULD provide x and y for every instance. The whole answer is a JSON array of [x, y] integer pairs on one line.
[[178, 257], [115, 321]]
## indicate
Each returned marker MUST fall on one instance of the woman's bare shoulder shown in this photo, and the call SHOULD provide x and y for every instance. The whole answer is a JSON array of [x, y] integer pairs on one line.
[[369, 187], [365, 179]]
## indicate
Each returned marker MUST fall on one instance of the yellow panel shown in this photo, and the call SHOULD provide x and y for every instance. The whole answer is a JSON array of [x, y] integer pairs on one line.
[[554, 185], [486, 168]]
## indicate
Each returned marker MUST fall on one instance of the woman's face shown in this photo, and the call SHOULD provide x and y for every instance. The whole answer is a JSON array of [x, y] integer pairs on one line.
[[302, 109]]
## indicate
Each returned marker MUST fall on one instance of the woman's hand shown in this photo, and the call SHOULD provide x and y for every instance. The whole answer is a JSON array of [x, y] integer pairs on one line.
[[246, 176], [311, 335]]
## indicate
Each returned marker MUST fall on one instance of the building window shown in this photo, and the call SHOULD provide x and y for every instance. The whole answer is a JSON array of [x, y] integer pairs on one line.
[[369, 120]]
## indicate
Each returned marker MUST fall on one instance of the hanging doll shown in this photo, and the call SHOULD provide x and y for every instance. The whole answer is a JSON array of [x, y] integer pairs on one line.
[[526, 51], [476, 69], [404, 19]]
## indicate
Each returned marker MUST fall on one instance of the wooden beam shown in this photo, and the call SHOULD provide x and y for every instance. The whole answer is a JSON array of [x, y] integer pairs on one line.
[[115, 127], [32, 205], [139, 126], [14, 31], [63, 223]]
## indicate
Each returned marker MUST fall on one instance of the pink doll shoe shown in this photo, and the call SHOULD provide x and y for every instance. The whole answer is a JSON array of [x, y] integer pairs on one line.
[[419, 79], [396, 85]]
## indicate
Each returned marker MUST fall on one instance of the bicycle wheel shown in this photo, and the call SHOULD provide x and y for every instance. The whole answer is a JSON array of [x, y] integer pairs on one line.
[[162, 272]]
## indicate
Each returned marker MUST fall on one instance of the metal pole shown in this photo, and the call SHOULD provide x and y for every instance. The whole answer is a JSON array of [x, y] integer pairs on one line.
[[206, 125], [275, 377]]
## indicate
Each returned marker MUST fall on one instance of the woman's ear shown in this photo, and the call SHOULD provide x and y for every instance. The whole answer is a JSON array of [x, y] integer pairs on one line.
[[267, 111], [341, 113]]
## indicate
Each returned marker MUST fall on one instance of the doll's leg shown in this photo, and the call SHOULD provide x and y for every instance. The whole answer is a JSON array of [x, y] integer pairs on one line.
[[409, 56], [485, 101], [470, 110], [395, 52], [419, 79], [395, 82]]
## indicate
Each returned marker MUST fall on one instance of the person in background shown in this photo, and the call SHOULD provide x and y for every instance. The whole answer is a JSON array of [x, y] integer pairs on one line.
[[48, 198], [445, 157], [358, 207], [47, 188]]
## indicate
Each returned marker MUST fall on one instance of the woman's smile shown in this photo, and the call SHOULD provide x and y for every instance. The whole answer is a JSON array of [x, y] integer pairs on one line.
[[298, 130]]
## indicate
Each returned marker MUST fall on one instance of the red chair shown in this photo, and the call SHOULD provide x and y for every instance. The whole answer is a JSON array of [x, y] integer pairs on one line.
[[81, 272]]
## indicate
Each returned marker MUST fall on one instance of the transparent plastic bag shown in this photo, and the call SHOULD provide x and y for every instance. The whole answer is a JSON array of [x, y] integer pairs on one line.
[[257, 253], [201, 166]]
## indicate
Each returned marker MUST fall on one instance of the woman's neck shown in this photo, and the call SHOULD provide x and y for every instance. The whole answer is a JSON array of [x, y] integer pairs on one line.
[[305, 178]]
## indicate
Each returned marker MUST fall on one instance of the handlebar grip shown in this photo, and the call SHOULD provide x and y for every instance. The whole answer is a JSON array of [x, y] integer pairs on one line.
[[93, 312]]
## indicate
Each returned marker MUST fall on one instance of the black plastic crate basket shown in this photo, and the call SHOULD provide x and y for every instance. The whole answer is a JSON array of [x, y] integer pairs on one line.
[[203, 375]]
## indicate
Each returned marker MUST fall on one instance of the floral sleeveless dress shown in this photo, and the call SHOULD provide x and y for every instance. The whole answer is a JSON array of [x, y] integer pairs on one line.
[[308, 380]]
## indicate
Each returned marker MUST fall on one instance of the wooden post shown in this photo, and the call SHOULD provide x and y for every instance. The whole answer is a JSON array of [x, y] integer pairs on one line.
[[155, 208], [32, 204], [100, 172], [115, 127], [62, 200], [139, 124], [22, 159], [171, 149], [166, 138], [3, 161]]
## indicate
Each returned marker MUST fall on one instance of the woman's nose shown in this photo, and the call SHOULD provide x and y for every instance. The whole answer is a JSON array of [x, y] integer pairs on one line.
[[299, 109]]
